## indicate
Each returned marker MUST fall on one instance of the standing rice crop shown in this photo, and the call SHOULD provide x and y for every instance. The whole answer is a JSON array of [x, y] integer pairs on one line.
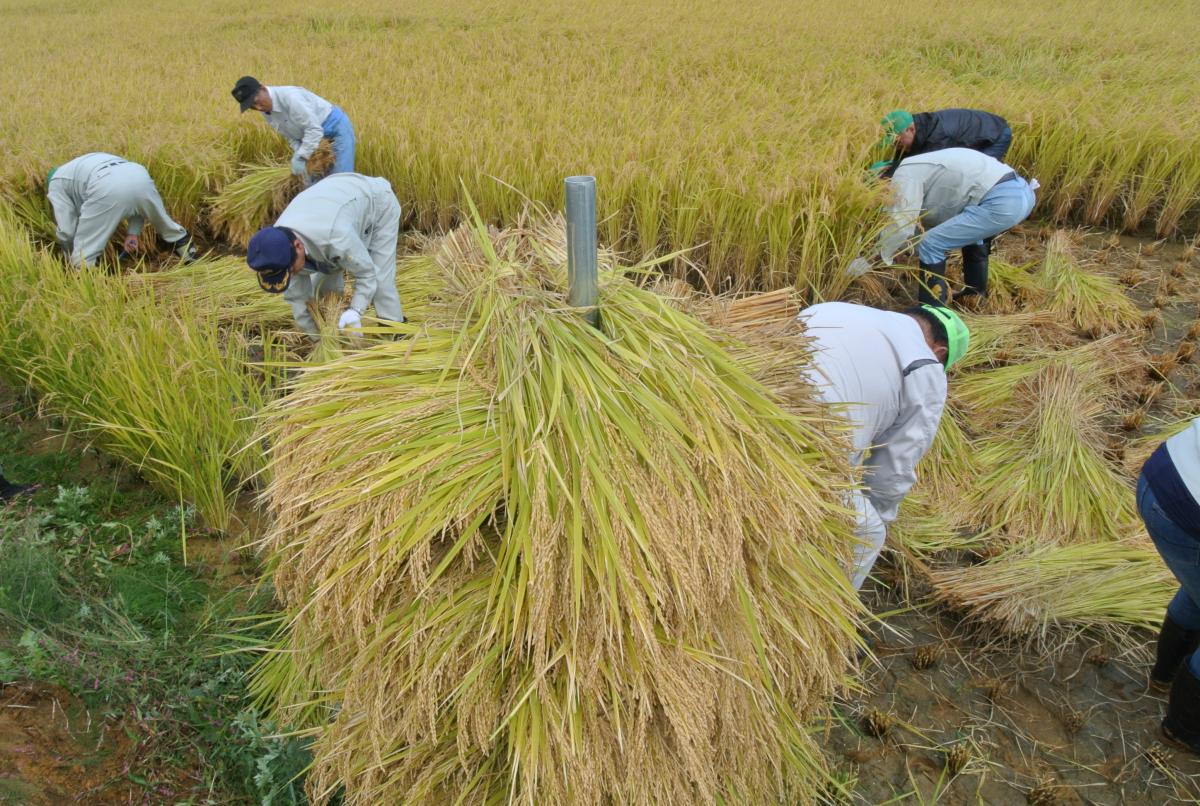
[[157, 384], [528, 560]]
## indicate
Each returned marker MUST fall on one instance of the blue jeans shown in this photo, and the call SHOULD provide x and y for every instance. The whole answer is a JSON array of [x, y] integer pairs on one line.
[[1003, 207], [337, 128], [1180, 550]]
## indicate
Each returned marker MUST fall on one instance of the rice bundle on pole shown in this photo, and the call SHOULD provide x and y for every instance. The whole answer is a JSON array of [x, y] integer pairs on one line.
[[528, 560]]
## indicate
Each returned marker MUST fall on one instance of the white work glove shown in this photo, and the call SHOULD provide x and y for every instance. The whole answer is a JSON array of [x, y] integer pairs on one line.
[[299, 165], [349, 318], [858, 267]]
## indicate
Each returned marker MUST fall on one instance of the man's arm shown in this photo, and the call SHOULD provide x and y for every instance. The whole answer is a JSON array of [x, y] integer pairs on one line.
[[304, 111], [891, 469], [904, 212]]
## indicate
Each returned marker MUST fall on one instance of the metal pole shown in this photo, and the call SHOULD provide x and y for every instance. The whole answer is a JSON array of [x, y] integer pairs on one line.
[[581, 245]]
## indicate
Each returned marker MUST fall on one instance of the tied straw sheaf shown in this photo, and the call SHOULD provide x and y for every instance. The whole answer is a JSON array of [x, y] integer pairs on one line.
[[528, 560]]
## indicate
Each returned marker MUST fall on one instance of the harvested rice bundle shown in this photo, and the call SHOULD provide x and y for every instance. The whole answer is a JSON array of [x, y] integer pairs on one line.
[[1013, 287], [252, 201], [1036, 588], [990, 401], [1045, 477], [1002, 339], [532, 561], [1094, 303], [923, 530]]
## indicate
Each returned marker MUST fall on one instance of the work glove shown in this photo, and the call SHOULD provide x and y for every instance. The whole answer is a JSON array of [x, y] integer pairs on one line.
[[299, 165], [858, 267], [349, 318]]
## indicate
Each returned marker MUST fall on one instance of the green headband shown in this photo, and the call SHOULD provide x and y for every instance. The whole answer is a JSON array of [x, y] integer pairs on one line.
[[958, 338]]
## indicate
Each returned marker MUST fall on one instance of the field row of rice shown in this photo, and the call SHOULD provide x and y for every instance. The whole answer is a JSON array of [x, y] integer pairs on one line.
[[740, 137]]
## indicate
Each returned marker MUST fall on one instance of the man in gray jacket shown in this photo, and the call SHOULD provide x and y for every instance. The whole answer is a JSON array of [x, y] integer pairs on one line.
[[91, 196], [346, 222], [303, 118], [963, 198]]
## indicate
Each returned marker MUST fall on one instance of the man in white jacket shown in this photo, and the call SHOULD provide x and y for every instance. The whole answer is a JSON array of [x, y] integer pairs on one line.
[[303, 118], [963, 198], [91, 195], [346, 222], [885, 372]]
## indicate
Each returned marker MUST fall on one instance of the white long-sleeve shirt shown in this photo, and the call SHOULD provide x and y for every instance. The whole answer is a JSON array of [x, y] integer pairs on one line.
[[878, 369], [298, 115], [333, 220], [934, 187]]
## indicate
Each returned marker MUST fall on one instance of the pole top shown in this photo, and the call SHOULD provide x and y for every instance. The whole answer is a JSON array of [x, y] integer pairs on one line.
[[580, 180]]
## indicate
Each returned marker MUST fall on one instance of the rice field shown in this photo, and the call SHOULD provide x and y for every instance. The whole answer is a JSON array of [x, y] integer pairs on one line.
[[519, 559]]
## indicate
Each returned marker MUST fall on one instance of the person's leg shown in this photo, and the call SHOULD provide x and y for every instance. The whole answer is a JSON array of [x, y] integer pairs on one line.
[[871, 533], [98, 220], [1180, 632], [975, 269], [340, 131], [382, 248], [150, 205], [1004, 206]]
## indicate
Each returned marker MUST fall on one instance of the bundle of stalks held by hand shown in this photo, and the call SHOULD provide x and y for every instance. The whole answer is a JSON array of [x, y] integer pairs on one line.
[[530, 560]]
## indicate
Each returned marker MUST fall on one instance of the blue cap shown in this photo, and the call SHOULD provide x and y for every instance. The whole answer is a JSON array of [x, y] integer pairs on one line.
[[270, 253]]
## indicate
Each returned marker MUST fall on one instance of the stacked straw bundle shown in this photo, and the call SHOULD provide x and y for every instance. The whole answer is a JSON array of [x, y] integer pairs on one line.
[[527, 560]]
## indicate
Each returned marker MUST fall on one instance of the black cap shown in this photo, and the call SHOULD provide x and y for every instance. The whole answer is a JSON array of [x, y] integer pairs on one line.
[[245, 90]]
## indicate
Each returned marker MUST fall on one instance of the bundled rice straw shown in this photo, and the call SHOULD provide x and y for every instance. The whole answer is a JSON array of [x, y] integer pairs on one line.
[[1047, 479], [1012, 287], [1035, 588], [532, 561], [1094, 303]]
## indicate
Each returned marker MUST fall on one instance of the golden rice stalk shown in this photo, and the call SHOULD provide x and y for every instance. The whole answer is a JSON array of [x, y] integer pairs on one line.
[[1037, 588], [161, 386], [990, 399], [1002, 339], [251, 201], [531, 561], [1093, 302], [1045, 477], [222, 287], [1012, 287]]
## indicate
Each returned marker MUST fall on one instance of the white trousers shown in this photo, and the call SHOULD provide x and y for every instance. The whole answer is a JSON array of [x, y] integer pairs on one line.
[[117, 193]]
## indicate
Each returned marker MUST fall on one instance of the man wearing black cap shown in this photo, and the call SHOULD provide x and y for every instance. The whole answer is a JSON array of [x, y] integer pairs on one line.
[[345, 222], [303, 118]]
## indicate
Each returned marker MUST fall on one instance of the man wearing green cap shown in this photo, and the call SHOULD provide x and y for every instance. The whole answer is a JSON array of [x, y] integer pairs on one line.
[[947, 128], [885, 373]]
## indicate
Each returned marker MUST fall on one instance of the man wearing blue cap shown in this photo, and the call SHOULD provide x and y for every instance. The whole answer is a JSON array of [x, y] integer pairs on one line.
[[346, 222], [302, 118]]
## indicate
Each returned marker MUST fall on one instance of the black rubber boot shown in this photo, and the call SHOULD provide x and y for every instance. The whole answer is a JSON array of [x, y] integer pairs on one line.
[[1181, 726], [185, 249], [933, 288], [9, 490], [975, 270], [1174, 644]]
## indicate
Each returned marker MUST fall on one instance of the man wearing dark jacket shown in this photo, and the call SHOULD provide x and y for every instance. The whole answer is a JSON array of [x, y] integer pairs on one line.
[[946, 128]]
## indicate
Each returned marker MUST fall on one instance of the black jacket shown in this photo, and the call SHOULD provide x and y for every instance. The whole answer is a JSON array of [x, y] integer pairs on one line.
[[960, 128]]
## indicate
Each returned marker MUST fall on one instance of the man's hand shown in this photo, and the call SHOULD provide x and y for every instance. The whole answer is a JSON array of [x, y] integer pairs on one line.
[[299, 165], [349, 318], [131, 245]]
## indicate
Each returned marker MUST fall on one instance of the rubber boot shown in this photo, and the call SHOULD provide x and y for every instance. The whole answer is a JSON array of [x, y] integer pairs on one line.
[[1174, 644], [933, 289], [9, 490], [1181, 726], [975, 270]]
